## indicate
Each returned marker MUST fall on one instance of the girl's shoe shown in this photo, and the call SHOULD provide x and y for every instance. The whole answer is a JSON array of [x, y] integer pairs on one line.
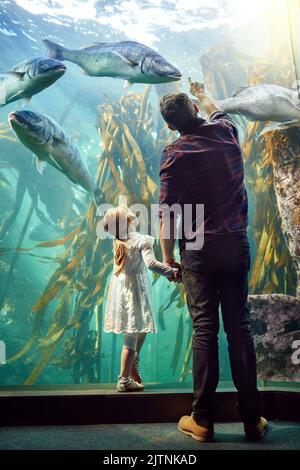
[[127, 384], [135, 370]]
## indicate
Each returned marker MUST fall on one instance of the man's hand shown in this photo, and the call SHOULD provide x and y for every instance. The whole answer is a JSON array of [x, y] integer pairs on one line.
[[177, 276], [205, 102], [173, 264], [197, 89]]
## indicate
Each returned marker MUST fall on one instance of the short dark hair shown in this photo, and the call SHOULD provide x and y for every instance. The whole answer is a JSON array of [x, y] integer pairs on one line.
[[178, 110]]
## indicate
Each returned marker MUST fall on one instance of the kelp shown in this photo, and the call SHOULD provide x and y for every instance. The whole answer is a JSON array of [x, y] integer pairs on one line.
[[55, 332], [75, 292], [178, 345], [270, 249], [283, 150], [6, 133], [15, 257], [225, 69], [62, 334]]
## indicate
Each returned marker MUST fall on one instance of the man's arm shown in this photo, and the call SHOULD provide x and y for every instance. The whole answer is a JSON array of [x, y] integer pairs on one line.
[[167, 239], [211, 107], [169, 195], [206, 103]]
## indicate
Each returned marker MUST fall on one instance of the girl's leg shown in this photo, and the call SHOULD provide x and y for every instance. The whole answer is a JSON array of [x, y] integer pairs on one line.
[[135, 371], [140, 342], [128, 352]]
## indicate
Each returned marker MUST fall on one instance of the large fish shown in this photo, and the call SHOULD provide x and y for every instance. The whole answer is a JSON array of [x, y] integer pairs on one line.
[[128, 60], [265, 102], [29, 78], [48, 142]]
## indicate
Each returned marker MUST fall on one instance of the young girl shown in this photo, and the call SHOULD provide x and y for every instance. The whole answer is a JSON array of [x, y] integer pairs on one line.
[[129, 307]]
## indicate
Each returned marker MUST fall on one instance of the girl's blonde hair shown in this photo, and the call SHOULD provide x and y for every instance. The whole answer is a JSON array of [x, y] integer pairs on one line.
[[116, 221]]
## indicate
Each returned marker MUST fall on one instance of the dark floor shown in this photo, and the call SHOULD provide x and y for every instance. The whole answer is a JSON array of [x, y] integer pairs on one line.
[[281, 435]]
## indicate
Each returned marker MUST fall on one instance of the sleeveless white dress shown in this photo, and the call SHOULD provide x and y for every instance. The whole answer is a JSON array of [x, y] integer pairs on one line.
[[129, 306]]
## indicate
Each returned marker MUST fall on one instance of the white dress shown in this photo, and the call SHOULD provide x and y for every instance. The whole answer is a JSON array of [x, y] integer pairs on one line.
[[129, 306]]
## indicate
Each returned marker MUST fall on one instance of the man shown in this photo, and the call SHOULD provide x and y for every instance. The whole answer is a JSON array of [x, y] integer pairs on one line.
[[204, 166]]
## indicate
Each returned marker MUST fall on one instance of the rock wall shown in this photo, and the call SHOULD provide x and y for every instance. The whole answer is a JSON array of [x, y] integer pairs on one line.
[[284, 150], [275, 321]]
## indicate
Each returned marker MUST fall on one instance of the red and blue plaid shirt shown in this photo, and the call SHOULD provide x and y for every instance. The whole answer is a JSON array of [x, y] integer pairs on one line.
[[205, 166]]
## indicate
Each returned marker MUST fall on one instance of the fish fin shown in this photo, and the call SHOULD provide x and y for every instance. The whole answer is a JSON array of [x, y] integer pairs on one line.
[[128, 61], [2, 94], [57, 166], [26, 100], [14, 97], [54, 51], [292, 123], [18, 75], [247, 116], [40, 165], [127, 84], [93, 45], [239, 90], [279, 126]]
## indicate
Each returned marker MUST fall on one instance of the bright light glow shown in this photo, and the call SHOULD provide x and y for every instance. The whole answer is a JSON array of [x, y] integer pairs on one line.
[[141, 21]]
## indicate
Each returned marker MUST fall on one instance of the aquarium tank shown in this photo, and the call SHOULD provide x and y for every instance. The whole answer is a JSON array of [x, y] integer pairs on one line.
[[54, 270]]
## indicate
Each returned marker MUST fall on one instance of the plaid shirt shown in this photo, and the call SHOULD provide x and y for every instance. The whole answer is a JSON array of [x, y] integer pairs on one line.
[[205, 166]]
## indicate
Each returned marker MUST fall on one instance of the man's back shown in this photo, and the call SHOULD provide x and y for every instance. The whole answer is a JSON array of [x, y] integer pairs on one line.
[[205, 166]]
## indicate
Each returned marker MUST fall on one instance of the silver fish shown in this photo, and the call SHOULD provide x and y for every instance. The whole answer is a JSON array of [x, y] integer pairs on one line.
[[48, 142], [265, 102], [29, 78], [128, 60]]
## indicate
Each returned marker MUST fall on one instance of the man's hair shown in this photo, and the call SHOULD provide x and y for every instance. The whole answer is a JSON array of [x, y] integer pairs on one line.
[[178, 110]]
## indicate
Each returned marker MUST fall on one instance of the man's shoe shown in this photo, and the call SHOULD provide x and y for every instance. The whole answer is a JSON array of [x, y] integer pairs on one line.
[[127, 384], [202, 433], [256, 432]]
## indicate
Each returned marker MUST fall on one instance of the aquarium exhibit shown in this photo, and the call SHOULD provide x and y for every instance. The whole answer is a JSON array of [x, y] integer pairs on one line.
[[80, 84]]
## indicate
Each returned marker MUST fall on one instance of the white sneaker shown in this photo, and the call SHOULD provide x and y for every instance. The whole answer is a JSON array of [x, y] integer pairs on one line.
[[127, 384]]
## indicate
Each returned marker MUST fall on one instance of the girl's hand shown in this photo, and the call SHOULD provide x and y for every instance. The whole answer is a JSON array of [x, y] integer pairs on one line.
[[178, 276]]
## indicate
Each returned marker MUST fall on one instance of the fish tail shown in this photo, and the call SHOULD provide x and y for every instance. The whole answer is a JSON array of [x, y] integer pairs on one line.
[[55, 51]]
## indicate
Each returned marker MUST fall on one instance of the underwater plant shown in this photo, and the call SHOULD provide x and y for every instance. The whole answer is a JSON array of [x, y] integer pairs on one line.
[[75, 291]]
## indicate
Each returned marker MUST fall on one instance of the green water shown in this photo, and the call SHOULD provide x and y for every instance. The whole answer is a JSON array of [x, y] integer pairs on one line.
[[223, 43]]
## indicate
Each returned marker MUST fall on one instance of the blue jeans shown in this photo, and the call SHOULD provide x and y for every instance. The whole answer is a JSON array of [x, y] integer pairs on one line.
[[217, 275]]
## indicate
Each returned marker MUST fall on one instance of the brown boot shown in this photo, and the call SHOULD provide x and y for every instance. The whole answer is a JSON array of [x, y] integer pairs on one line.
[[202, 433], [256, 432]]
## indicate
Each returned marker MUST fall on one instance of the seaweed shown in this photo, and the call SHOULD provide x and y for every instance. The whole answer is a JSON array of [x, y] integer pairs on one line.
[[77, 285], [273, 266], [72, 302]]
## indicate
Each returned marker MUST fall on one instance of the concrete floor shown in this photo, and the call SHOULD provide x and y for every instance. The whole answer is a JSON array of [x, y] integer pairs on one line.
[[281, 435]]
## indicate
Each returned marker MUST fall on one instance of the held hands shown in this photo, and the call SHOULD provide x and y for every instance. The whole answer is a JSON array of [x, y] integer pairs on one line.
[[177, 276]]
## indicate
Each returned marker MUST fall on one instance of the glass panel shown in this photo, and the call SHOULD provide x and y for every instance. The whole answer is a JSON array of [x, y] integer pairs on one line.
[[53, 290]]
